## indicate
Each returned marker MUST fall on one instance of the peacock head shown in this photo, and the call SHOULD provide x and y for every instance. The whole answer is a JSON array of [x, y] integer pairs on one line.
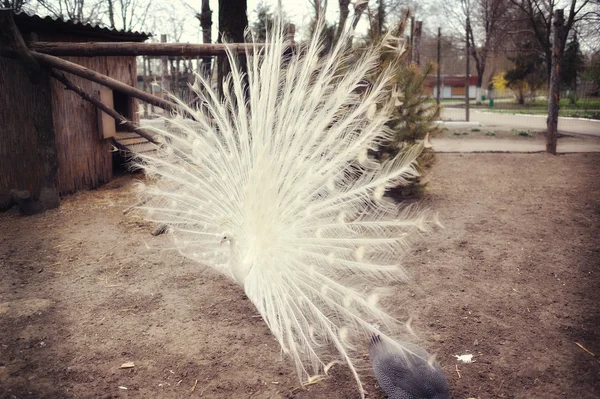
[[226, 236]]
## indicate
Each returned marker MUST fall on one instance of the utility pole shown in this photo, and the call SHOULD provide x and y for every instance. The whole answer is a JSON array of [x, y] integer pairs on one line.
[[467, 76], [439, 65]]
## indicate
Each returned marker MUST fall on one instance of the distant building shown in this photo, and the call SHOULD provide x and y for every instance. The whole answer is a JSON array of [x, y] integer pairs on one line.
[[451, 86]]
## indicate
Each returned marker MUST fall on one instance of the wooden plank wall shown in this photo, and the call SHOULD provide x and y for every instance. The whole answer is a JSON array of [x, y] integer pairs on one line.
[[84, 157], [20, 166]]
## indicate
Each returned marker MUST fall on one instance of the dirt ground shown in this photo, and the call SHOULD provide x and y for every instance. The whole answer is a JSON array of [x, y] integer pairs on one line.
[[513, 278]]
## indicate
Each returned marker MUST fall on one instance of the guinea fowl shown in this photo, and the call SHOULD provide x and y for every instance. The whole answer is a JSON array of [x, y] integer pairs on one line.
[[278, 170], [406, 371]]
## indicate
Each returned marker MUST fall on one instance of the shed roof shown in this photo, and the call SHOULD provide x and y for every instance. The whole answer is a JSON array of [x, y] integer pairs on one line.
[[451, 80], [36, 24]]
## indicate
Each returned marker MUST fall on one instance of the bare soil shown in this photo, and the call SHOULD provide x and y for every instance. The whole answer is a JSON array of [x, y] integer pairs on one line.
[[513, 278]]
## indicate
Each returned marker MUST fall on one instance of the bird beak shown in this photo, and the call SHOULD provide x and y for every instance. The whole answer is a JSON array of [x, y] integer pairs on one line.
[[221, 242]]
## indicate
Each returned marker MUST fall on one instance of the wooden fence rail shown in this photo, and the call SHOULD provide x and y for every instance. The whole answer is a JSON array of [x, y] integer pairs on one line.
[[92, 49]]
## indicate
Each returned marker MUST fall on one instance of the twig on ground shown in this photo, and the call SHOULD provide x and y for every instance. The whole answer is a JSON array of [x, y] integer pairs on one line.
[[587, 351], [313, 382], [194, 387], [457, 370], [499, 388]]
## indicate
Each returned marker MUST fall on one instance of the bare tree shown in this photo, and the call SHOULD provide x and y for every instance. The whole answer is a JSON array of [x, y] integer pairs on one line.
[[319, 7], [76, 10], [344, 12], [205, 18], [488, 22], [16, 5], [132, 13], [538, 17], [377, 19]]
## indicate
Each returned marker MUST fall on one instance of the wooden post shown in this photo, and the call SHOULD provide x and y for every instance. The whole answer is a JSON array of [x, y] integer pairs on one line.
[[41, 111], [291, 33], [152, 79], [205, 18], [411, 39], [467, 72], [439, 66], [173, 77], [145, 84], [164, 81], [189, 72], [417, 42], [554, 88]]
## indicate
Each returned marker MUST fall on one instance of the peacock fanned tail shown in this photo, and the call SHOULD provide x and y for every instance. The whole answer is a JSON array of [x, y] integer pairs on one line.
[[281, 163]]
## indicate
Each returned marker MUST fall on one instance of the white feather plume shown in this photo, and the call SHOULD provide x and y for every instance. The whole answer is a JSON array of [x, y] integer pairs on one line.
[[286, 180]]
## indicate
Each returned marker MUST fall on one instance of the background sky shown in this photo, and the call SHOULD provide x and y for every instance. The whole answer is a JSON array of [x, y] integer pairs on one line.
[[298, 12]]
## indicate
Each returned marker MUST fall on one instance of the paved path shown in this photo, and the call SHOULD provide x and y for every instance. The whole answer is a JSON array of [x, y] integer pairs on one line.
[[469, 144], [535, 122], [508, 145]]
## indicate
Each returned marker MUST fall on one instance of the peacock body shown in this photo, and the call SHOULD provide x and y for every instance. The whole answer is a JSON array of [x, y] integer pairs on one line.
[[406, 371], [277, 171]]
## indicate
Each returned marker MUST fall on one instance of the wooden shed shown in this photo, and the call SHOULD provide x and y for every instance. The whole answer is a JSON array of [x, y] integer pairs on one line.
[[453, 86], [83, 135]]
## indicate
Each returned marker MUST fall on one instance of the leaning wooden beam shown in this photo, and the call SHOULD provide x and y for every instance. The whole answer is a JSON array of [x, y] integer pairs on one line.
[[93, 49], [114, 114], [75, 69], [11, 37], [104, 80]]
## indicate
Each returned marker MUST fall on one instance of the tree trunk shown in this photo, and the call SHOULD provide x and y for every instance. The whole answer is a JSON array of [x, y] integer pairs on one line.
[[233, 22], [554, 88], [417, 43], [380, 17], [205, 18], [358, 11], [344, 12], [111, 13], [521, 98]]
